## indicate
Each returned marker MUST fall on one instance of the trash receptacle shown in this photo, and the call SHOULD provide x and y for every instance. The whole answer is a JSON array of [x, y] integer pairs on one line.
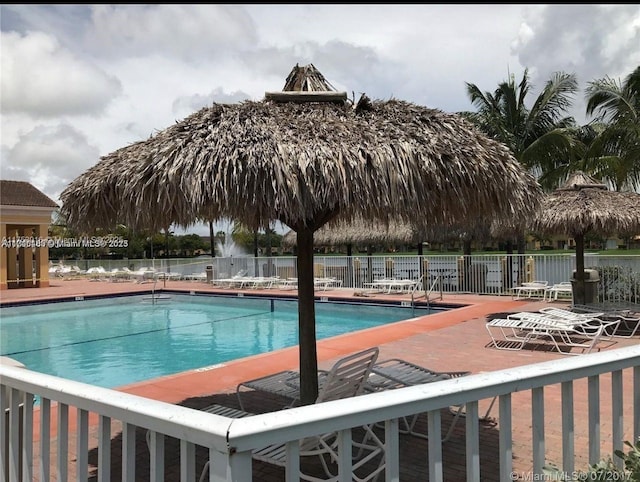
[[591, 280], [209, 272]]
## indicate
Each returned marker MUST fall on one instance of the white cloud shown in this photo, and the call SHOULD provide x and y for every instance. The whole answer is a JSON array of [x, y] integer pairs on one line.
[[187, 31], [49, 158], [590, 40], [43, 79]]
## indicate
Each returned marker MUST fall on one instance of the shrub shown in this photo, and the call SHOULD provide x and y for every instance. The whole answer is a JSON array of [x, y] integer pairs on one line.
[[605, 469], [618, 283]]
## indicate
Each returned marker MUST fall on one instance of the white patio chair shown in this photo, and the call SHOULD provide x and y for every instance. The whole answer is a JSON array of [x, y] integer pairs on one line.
[[287, 383]]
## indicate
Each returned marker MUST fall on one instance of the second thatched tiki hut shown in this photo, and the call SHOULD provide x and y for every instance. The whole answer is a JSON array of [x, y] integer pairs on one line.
[[359, 232], [304, 156], [584, 205]]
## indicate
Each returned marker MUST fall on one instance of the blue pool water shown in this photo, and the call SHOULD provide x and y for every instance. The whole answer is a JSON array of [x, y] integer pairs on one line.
[[117, 341]]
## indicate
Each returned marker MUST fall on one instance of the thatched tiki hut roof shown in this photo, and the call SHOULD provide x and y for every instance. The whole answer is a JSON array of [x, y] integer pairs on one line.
[[360, 232], [357, 232], [584, 205], [304, 158]]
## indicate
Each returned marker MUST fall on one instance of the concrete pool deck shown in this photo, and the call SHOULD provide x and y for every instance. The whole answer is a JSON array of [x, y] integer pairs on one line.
[[454, 340]]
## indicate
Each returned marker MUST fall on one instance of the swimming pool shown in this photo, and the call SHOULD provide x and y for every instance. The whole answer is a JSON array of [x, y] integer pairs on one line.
[[117, 341]]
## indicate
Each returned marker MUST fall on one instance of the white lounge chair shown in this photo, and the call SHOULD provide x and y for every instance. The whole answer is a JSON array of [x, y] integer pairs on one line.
[[629, 322], [382, 285], [397, 373], [325, 283], [97, 273], [618, 323], [628, 325], [196, 276], [288, 284], [610, 326], [531, 289], [510, 333], [143, 275], [390, 285], [347, 378], [629, 318], [262, 282], [519, 329], [60, 271], [564, 288], [169, 276], [236, 281], [119, 274]]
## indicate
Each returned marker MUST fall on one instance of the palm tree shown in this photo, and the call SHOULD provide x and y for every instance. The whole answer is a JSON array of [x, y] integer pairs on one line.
[[539, 136], [582, 138], [613, 155]]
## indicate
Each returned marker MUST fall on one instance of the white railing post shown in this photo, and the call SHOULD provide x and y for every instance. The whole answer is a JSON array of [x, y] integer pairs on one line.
[[568, 429], [63, 440], [617, 418], [104, 449], [435, 446], [187, 461], [45, 440], [636, 403], [472, 442], [239, 466], [593, 395], [537, 429], [505, 437]]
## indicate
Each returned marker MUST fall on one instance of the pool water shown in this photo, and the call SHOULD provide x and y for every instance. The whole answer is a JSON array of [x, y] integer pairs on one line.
[[118, 341]]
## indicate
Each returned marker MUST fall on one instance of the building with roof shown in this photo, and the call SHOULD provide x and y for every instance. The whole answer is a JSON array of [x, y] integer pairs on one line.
[[25, 216]]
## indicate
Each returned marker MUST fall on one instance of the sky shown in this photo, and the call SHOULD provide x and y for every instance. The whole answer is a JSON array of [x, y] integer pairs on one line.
[[80, 81]]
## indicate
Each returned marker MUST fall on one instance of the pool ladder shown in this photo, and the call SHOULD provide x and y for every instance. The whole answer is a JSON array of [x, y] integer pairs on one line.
[[154, 297], [427, 293]]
